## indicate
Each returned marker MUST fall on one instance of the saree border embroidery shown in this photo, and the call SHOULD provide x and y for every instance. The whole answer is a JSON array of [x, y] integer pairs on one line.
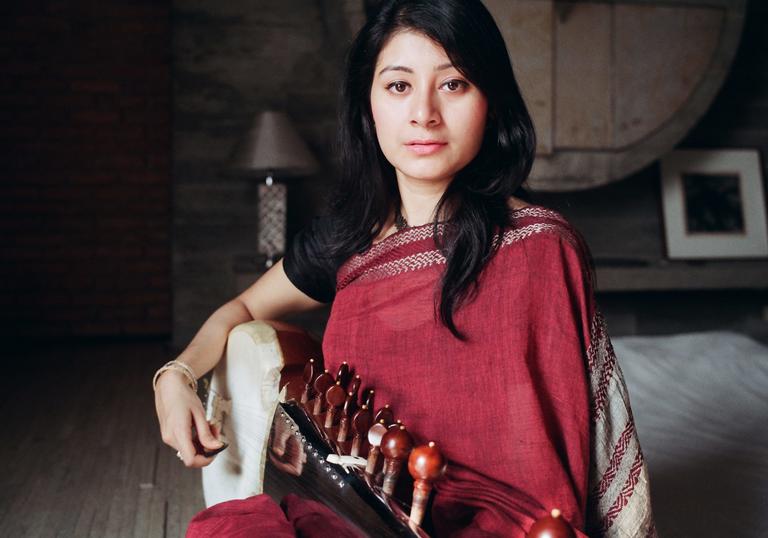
[[381, 260], [409, 235], [601, 361], [619, 497], [422, 260]]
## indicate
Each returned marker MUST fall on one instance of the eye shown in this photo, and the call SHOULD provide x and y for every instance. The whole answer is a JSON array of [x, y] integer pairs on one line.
[[399, 86], [455, 85]]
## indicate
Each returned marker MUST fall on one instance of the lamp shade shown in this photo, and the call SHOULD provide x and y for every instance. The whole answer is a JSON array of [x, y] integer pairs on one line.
[[273, 145]]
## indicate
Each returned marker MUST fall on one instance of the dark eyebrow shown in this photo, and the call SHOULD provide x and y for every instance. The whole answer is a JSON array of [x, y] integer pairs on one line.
[[409, 70]]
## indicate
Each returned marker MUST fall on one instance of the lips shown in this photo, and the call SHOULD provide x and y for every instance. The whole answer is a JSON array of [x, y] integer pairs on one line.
[[425, 147]]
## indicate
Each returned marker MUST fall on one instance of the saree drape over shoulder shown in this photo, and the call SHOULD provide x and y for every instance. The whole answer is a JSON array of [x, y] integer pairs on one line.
[[531, 411]]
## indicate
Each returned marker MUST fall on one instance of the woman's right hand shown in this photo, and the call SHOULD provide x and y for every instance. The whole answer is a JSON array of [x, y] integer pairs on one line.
[[178, 410]]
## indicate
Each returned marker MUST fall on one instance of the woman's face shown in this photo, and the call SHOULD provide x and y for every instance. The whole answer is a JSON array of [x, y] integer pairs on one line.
[[429, 118]]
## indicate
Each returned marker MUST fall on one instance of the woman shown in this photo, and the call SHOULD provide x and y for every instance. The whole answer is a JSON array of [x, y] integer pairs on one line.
[[469, 308]]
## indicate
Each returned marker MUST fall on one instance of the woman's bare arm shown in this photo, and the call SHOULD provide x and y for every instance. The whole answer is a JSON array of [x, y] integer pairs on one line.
[[270, 297]]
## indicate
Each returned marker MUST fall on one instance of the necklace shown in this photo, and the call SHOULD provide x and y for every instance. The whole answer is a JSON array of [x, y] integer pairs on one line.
[[400, 222]]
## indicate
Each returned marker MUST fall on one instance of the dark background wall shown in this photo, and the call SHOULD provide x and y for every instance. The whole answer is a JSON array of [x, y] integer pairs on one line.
[[233, 59], [85, 192], [98, 208], [623, 222]]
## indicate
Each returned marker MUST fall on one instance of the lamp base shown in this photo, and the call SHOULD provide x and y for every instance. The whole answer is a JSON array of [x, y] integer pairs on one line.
[[272, 217]]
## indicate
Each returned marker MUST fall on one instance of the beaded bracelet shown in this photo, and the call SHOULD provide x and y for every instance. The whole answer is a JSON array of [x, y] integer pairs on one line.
[[178, 366]]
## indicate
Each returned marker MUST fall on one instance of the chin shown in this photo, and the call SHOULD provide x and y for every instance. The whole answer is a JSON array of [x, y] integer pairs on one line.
[[428, 173], [428, 177]]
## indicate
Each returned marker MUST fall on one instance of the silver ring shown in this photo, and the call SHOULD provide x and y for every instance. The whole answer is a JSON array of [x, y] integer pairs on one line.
[[178, 455]]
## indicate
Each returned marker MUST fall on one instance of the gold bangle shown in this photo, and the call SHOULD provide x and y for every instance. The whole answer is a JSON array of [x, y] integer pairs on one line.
[[180, 367]]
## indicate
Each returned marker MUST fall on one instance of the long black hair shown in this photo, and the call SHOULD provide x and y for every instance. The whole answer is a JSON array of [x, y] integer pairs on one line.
[[477, 199]]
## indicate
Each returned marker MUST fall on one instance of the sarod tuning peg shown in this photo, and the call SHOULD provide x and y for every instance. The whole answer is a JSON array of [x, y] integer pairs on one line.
[[551, 526], [396, 445], [354, 386], [395, 424], [308, 376], [426, 464], [343, 374], [385, 414], [350, 405], [322, 384], [375, 435], [367, 399], [361, 423], [335, 398]]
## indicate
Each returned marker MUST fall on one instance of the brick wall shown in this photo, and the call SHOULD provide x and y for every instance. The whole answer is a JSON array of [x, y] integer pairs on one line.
[[85, 187]]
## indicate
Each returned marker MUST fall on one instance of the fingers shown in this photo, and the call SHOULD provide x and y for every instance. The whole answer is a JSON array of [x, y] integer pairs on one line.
[[187, 451], [204, 433], [177, 432], [200, 461], [183, 437]]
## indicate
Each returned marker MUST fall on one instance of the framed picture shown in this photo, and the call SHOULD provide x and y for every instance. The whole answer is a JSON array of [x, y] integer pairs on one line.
[[713, 204]]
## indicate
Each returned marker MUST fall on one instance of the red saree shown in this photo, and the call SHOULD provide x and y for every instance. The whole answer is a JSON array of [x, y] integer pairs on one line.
[[531, 411]]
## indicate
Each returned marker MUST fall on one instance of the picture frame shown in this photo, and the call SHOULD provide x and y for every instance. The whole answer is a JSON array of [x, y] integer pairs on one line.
[[714, 204]]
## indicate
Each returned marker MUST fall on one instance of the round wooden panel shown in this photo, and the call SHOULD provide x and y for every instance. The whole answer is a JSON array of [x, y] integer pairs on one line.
[[614, 85]]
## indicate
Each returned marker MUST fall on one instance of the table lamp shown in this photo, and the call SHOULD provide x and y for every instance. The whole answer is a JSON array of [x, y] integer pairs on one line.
[[272, 148]]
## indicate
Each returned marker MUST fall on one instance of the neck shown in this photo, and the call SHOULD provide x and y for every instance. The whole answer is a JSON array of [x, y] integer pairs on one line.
[[419, 199]]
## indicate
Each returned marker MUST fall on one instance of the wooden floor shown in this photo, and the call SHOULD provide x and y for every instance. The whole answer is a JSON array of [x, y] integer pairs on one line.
[[81, 452]]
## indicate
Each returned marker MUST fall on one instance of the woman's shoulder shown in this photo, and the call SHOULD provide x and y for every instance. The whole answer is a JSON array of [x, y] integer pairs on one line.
[[520, 210], [534, 223], [527, 218], [548, 238], [517, 203]]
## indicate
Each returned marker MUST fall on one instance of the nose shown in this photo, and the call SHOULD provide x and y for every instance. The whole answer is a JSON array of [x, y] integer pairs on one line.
[[426, 109]]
